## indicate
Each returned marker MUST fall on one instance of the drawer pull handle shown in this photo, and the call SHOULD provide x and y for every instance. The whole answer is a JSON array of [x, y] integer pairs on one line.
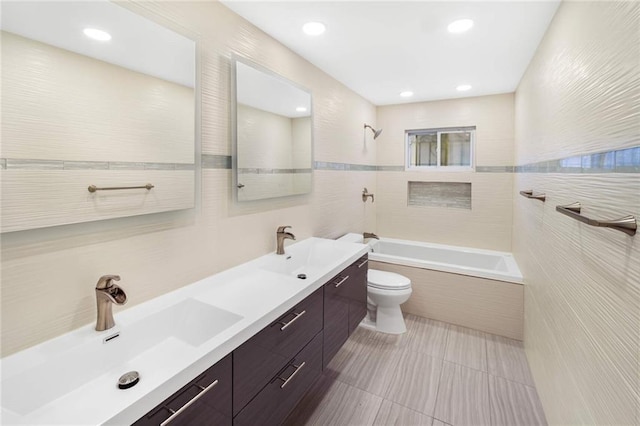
[[364, 262], [287, 324], [288, 379], [339, 283], [191, 401]]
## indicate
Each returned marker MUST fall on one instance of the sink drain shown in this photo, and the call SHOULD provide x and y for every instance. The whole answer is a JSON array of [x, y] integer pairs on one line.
[[128, 380], [302, 276]]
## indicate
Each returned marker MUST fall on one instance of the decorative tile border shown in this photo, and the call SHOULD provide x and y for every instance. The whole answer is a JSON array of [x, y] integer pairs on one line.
[[327, 165], [260, 171], [494, 169], [30, 164], [34, 164], [620, 161], [390, 168]]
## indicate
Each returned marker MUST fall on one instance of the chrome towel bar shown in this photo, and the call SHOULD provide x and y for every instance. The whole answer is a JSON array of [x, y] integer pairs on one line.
[[625, 224], [530, 194], [93, 188]]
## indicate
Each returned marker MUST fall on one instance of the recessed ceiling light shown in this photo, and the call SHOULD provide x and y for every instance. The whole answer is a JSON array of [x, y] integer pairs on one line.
[[313, 28], [406, 94], [460, 26], [463, 87], [301, 109], [97, 34]]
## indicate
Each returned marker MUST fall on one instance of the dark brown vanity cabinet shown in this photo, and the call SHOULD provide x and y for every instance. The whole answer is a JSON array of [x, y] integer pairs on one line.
[[206, 400], [274, 369], [281, 394], [259, 360], [345, 305]]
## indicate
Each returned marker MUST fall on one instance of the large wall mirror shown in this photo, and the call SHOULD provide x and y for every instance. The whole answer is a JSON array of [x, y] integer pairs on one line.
[[273, 147], [93, 95]]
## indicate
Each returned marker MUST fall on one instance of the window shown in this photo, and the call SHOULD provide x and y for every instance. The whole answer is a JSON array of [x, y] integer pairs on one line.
[[443, 149]]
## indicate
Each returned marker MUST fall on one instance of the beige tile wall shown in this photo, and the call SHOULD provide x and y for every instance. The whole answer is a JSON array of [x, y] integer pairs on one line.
[[488, 223], [582, 284], [48, 275]]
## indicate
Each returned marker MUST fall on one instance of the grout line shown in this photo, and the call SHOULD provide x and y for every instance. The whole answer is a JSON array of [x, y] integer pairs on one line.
[[486, 352], [379, 407], [512, 381], [406, 407], [448, 424], [465, 366], [446, 345]]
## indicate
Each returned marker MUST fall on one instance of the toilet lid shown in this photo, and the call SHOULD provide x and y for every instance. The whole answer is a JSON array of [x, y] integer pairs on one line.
[[387, 280]]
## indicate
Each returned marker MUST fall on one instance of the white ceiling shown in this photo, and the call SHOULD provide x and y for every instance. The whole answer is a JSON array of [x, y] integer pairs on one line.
[[379, 49], [137, 43]]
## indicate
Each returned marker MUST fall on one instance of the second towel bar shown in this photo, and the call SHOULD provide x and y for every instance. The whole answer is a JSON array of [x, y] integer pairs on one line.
[[625, 224], [93, 188], [529, 194]]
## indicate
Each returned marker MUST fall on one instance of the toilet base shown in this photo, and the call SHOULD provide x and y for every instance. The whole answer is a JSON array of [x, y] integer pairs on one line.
[[392, 320], [367, 324], [389, 319]]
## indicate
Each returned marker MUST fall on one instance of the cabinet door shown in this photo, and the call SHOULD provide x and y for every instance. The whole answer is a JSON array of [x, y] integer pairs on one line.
[[261, 357], [336, 315], [272, 405], [206, 400], [357, 292]]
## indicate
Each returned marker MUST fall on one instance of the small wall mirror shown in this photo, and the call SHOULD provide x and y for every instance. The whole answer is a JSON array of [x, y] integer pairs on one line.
[[273, 132]]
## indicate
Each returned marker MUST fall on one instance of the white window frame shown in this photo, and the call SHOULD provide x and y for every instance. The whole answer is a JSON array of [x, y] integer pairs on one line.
[[438, 131]]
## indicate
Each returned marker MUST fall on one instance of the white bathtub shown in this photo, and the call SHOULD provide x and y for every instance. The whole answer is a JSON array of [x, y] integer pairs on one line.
[[475, 288], [494, 265]]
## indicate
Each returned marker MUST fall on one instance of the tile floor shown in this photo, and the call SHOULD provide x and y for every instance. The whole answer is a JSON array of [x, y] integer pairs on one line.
[[435, 374]]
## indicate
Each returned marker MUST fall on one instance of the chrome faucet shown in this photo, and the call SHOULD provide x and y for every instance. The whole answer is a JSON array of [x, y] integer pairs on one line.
[[366, 194], [369, 235], [107, 293], [282, 235]]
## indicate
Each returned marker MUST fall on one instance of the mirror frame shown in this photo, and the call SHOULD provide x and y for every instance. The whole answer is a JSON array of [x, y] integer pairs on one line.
[[235, 58]]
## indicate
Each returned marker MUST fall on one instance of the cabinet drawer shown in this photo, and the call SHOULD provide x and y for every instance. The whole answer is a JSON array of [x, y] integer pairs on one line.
[[272, 405], [205, 400], [260, 358]]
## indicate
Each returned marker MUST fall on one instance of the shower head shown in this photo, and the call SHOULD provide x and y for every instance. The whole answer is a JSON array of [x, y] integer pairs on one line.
[[376, 133]]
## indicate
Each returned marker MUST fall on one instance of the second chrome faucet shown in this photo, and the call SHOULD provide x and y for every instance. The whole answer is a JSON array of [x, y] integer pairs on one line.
[[281, 235], [108, 294]]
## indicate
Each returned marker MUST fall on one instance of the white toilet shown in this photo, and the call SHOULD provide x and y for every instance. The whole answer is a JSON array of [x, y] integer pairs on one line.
[[386, 291]]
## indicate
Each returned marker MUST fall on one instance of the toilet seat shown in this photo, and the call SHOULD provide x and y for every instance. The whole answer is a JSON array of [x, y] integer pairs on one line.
[[384, 280]]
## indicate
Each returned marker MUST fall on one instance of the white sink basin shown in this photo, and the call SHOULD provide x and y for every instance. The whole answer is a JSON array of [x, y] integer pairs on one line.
[[311, 257], [90, 363]]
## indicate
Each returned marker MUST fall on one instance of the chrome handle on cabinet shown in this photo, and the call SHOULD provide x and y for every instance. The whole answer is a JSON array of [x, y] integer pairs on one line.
[[287, 324], [339, 283], [288, 379], [188, 404], [364, 262]]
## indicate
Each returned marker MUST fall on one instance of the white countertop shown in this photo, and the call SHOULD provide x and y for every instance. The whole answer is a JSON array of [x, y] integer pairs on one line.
[[38, 384]]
